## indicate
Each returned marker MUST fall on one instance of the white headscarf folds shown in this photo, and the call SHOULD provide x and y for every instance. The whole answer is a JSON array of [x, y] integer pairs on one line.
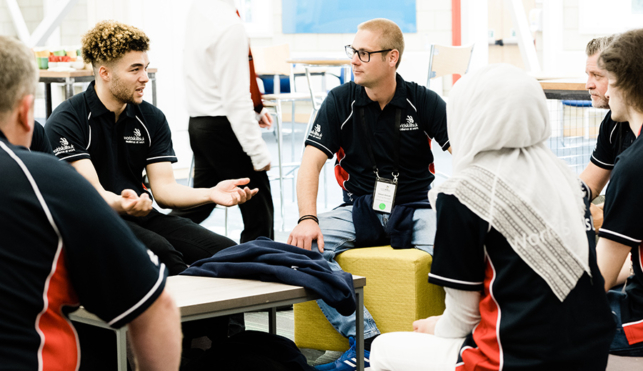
[[503, 172]]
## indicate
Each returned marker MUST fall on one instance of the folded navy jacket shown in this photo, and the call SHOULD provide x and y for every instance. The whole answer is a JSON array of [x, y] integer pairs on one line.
[[399, 229], [269, 261]]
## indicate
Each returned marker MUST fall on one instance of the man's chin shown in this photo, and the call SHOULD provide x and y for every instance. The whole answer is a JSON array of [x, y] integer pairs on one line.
[[600, 103], [136, 101]]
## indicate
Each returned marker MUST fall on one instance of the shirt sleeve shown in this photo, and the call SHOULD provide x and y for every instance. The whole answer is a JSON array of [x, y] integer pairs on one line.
[[325, 132], [458, 252], [39, 140], [114, 275], [461, 314], [161, 149], [623, 203], [604, 152], [436, 116], [68, 134], [231, 70]]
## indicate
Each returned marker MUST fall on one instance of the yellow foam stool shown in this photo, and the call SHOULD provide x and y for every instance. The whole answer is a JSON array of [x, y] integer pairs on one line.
[[397, 293]]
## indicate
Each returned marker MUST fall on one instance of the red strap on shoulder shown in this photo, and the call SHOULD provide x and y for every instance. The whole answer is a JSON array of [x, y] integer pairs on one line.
[[254, 87]]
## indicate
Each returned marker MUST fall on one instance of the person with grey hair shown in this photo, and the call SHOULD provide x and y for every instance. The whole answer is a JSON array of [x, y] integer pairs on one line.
[[613, 137], [68, 248]]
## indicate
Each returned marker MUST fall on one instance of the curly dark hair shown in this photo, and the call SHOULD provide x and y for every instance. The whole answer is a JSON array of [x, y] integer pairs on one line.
[[110, 40], [624, 59]]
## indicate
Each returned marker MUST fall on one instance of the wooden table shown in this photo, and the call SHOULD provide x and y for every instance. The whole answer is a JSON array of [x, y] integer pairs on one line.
[[69, 78], [206, 297], [573, 89]]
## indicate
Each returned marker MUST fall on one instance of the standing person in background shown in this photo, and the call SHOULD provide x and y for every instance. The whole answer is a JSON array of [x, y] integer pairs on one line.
[[224, 130]]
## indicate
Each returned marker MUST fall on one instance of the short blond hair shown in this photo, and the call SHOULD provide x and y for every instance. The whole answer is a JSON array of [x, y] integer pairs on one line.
[[108, 41], [390, 35], [18, 74]]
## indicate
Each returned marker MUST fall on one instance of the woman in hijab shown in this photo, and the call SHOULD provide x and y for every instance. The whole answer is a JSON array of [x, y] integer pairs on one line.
[[514, 247]]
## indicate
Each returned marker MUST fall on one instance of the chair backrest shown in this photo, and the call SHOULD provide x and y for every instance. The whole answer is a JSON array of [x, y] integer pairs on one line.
[[271, 60], [448, 60]]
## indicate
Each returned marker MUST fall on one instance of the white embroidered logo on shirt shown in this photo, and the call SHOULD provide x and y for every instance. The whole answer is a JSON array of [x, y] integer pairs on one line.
[[65, 147], [409, 124], [316, 132], [153, 257], [136, 139]]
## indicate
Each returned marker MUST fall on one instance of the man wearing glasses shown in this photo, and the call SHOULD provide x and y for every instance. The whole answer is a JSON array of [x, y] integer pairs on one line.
[[381, 128]]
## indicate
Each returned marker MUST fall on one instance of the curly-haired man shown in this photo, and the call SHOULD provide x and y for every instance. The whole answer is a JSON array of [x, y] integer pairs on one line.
[[109, 134], [63, 247]]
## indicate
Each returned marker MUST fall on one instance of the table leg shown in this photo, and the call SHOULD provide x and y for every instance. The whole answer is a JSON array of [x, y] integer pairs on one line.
[[272, 321], [280, 140], [69, 87], [48, 104], [276, 81], [152, 76], [121, 348], [359, 328]]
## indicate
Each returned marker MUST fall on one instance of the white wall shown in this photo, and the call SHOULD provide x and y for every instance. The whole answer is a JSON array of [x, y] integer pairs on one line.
[[564, 55]]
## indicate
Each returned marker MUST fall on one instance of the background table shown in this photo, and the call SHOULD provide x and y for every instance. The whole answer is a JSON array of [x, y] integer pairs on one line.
[[563, 89], [69, 78], [206, 297]]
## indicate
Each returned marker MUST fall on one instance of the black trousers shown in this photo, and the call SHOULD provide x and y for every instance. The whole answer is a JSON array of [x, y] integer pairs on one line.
[[218, 156], [177, 241]]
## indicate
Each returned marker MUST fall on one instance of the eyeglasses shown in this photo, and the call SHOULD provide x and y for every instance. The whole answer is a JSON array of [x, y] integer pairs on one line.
[[363, 55]]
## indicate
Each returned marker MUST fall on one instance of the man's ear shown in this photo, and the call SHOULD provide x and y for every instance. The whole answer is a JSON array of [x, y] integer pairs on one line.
[[394, 56], [103, 72], [25, 112]]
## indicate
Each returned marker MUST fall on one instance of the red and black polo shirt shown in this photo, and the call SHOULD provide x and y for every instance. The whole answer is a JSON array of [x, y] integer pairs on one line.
[[62, 246], [523, 325], [623, 203], [338, 130]]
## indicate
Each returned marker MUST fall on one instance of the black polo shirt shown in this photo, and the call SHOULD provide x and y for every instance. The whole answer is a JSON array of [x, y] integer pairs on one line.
[[62, 246], [338, 130], [83, 128], [613, 138], [523, 325], [622, 223], [39, 140]]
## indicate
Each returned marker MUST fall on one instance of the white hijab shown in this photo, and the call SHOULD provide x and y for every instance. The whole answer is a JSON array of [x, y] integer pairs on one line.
[[503, 172]]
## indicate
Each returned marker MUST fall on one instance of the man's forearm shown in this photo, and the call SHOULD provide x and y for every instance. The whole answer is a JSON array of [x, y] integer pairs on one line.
[[307, 188], [177, 196], [112, 199]]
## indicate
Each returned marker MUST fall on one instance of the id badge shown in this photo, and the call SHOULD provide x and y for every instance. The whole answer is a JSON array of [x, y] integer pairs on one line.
[[384, 195]]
